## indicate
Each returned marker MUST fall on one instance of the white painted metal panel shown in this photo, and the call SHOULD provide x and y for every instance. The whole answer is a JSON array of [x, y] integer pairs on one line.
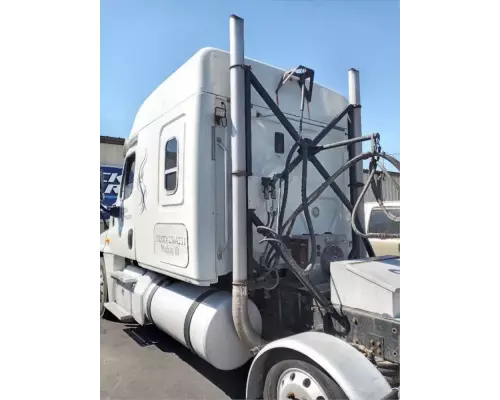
[[171, 244], [196, 211], [174, 130], [333, 216], [208, 71], [193, 92], [372, 285]]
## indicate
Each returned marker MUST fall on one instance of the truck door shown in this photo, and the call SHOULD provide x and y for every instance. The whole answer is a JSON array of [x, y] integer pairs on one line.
[[124, 240]]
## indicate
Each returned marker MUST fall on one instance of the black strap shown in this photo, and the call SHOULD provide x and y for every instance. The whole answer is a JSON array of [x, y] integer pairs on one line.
[[150, 298], [243, 66], [189, 316]]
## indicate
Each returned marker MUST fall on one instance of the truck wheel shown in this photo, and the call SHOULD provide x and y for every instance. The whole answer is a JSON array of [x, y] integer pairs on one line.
[[104, 291], [295, 379]]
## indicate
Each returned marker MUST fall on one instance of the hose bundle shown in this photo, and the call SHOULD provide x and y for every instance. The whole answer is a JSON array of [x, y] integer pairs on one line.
[[270, 257]]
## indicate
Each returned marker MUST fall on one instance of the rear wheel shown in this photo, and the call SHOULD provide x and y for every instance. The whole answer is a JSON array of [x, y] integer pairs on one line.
[[296, 379]]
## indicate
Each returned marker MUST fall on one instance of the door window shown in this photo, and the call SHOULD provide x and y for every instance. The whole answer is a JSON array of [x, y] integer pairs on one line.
[[128, 177]]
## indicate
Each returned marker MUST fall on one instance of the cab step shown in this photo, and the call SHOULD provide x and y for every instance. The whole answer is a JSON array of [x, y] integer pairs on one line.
[[123, 277], [118, 311]]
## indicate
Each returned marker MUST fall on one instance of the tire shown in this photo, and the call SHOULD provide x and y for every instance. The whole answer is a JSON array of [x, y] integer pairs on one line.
[[301, 380], [104, 291]]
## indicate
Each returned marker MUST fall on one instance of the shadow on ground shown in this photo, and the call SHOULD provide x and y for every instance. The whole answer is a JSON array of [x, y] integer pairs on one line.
[[232, 383]]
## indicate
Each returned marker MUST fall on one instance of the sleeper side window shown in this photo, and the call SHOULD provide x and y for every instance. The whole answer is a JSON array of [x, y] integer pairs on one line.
[[171, 165], [170, 162], [380, 223], [128, 177]]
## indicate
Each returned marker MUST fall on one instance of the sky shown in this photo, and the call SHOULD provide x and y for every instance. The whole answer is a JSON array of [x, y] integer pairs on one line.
[[144, 41]]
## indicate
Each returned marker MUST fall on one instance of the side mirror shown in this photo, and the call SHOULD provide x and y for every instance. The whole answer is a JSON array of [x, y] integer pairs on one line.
[[115, 211]]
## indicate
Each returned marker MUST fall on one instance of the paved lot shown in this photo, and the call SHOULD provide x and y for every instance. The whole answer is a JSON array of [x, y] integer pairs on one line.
[[145, 364]]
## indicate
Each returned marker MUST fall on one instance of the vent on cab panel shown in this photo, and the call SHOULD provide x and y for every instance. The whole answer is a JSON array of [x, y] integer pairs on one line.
[[279, 143]]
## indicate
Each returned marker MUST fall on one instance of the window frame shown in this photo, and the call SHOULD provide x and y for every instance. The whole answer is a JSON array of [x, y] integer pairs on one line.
[[171, 170], [125, 176]]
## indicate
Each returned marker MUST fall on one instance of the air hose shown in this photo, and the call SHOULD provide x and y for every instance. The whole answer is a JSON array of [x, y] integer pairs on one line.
[[314, 196]]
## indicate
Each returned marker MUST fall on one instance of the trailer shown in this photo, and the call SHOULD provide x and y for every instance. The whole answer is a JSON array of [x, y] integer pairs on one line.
[[238, 229]]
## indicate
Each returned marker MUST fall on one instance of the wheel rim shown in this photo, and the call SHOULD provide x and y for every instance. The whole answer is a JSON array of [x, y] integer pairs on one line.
[[295, 383]]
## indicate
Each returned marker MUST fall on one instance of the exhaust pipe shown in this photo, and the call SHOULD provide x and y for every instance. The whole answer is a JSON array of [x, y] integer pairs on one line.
[[356, 173], [241, 320]]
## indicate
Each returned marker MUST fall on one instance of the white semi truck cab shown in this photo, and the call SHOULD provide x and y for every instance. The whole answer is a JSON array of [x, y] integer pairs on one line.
[[237, 229]]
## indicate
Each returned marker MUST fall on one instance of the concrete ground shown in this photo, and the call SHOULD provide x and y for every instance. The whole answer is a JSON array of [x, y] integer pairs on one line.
[[143, 363]]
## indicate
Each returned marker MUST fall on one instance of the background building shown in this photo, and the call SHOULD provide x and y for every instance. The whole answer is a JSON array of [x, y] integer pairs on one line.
[[111, 165], [390, 191]]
